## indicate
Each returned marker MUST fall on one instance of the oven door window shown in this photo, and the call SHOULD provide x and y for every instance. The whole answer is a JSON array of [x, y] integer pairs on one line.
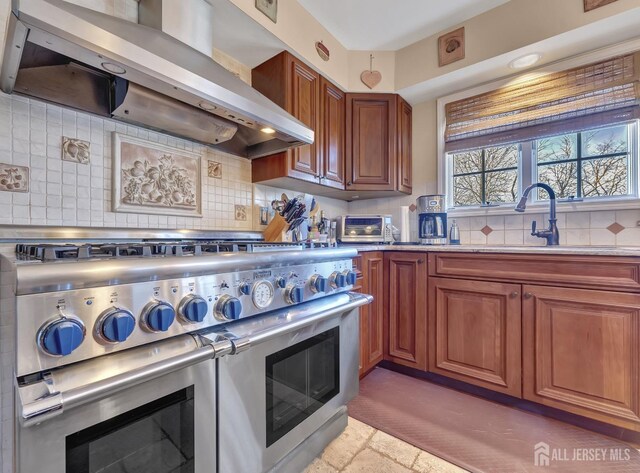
[[300, 380], [155, 438], [363, 226]]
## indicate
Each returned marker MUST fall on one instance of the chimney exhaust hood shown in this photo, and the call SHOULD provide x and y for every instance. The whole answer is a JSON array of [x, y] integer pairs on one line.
[[76, 57]]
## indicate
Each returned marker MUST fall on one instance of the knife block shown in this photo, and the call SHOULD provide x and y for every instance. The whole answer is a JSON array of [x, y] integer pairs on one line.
[[276, 230]]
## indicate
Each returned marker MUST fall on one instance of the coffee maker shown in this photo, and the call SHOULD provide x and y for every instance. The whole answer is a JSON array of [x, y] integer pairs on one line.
[[432, 220]]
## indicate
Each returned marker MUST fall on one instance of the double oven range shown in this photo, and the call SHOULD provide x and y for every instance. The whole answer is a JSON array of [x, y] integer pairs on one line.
[[183, 357]]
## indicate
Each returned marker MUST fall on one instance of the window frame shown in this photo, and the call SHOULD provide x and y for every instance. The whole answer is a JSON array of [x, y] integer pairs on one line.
[[494, 79], [528, 171]]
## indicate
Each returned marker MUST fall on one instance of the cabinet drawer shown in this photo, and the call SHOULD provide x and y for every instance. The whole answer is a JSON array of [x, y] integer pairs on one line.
[[601, 272]]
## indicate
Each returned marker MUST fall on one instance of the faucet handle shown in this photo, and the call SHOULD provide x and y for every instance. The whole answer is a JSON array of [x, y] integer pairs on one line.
[[533, 227]]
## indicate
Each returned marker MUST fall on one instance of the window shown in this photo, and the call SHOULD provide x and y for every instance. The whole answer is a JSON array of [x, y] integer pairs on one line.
[[598, 163]]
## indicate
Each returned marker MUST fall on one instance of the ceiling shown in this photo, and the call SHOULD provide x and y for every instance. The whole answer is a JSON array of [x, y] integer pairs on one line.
[[391, 25]]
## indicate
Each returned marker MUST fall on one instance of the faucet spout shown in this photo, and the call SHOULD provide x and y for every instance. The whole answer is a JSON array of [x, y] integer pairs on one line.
[[551, 234]]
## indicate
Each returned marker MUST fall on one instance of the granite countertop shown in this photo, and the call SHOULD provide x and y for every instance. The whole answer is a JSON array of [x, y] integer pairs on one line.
[[545, 250]]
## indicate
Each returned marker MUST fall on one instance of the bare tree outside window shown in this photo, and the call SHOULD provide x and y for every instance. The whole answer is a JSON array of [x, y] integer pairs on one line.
[[587, 164], [486, 175]]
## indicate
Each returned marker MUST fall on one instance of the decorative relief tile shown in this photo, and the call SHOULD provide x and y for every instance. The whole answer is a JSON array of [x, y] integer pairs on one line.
[[412, 207], [214, 169], [487, 230], [615, 228], [14, 178], [76, 151], [241, 212]]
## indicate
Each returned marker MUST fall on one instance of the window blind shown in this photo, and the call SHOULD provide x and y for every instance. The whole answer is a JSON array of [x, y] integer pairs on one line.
[[595, 94]]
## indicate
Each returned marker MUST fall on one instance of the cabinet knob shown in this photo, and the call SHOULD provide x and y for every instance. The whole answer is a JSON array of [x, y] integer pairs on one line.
[[514, 294], [420, 261], [349, 183], [528, 295]]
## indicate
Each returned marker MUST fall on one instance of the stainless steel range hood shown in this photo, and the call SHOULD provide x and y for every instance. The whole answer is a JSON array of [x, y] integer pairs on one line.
[[73, 56]]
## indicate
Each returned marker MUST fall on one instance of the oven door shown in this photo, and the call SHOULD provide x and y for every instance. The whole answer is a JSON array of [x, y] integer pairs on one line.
[[280, 391], [164, 425]]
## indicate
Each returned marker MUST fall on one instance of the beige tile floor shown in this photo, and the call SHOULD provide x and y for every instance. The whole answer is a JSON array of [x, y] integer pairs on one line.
[[363, 449]]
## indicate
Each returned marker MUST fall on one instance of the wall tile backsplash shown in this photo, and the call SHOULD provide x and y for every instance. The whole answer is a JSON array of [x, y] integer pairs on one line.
[[73, 194]]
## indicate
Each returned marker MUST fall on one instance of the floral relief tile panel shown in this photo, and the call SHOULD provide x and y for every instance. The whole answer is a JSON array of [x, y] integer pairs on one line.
[[154, 178], [76, 151], [14, 178]]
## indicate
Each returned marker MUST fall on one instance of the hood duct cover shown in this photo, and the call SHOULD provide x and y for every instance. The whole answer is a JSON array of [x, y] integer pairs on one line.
[[154, 79]]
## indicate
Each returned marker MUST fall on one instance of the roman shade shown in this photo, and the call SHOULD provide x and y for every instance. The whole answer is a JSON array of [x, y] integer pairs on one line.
[[596, 94]]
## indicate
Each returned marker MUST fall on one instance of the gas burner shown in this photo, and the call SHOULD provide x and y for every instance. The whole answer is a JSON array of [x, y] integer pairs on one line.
[[145, 249]]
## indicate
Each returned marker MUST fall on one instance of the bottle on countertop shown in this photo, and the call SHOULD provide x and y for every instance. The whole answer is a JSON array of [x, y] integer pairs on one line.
[[454, 233]]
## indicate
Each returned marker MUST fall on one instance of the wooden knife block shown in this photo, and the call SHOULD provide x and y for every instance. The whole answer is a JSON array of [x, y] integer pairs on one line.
[[276, 229]]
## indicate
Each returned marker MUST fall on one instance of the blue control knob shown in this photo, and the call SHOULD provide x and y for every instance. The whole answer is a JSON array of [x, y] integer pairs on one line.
[[61, 337], [351, 277], [281, 282], [294, 294], [319, 283], [341, 280], [245, 288], [193, 309], [117, 325], [228, 308], [159, 316]]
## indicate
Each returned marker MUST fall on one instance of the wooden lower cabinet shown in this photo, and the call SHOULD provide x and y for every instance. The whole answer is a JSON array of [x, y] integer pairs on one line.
[[582, 352], [406, 285], [372, 315], [475, 330]]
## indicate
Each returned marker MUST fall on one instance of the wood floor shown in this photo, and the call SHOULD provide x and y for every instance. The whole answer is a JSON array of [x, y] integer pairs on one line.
[[363, 449]]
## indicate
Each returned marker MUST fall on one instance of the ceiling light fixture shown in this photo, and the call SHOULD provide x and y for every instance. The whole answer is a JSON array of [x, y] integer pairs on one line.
[[525, 61], [268, 131]]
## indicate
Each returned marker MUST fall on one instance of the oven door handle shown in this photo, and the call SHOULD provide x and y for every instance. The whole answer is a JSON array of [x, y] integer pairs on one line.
[[55, 403], [245, 334]]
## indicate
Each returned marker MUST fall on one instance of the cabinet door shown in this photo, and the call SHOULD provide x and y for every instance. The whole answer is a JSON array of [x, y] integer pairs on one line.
[[371, 141], [475, 329], [407, 325], [582, 352], [332, 134], [371, 316], [405, 137], [303, 105]]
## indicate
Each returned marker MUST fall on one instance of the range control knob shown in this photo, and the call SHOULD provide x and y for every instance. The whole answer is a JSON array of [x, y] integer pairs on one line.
[[245, 288], [350, 276], [318, 283], [193, 309], [228, 308], [62, 336], [293, 294], [281, 282], [117, 325], [158, 316], [337, 280]]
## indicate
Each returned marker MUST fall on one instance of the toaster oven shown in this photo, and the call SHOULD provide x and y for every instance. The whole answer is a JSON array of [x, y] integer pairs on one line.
[[365, 229]]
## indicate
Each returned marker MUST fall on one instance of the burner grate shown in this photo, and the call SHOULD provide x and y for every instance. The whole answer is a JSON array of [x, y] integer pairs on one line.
[[147, 249]]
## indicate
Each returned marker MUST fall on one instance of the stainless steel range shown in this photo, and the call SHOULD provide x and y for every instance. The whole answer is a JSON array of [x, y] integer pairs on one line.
[[133, 357]]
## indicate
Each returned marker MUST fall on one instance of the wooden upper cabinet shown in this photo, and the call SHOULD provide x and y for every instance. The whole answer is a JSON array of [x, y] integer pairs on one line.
[[295, 87], [406, 327], [332, 134], [405, 138], [581, 352], [371, 142], [304, 98], [475, 329], [372, 315]]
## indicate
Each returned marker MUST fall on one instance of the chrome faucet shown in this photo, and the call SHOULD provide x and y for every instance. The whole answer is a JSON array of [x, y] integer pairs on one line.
[[551, 234]]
